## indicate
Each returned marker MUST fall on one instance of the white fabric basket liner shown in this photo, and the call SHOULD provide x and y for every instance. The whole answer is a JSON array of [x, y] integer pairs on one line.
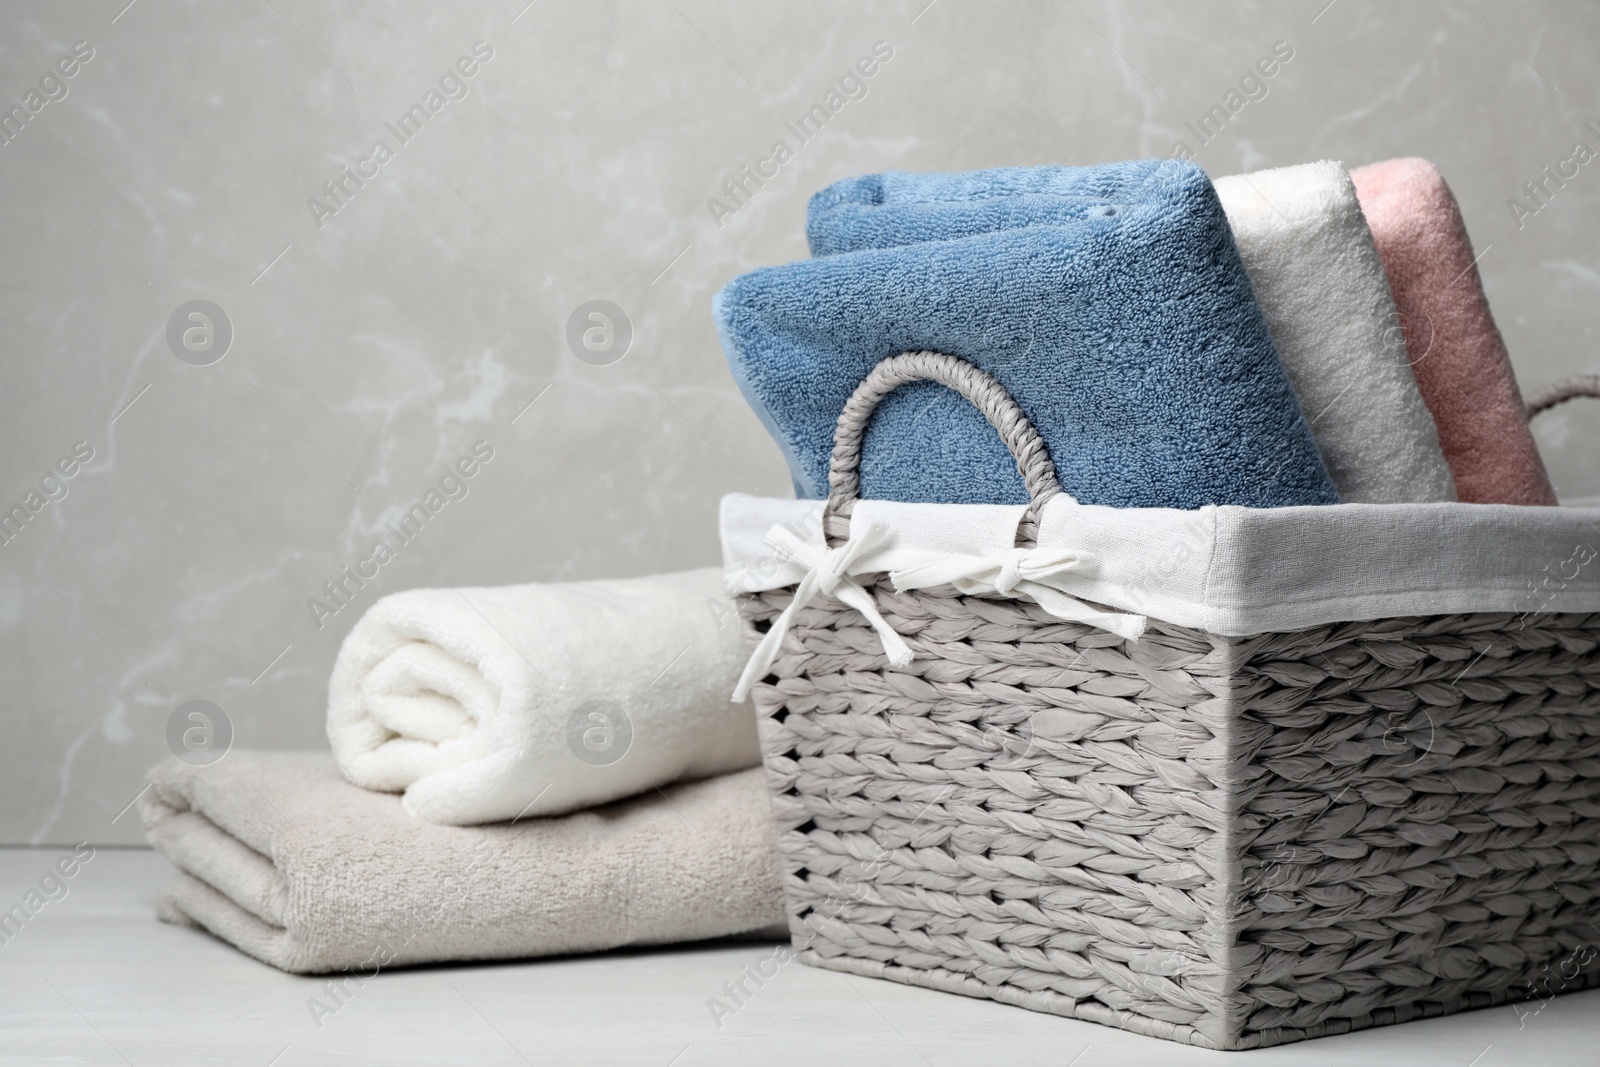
[[1228, 570]]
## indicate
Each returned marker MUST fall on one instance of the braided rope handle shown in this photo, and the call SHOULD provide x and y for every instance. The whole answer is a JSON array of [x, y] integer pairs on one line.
[[981, 388], [1560, 392]]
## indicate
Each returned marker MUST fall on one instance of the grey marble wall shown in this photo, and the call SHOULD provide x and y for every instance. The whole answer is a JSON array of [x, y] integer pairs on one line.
[[380, 331]]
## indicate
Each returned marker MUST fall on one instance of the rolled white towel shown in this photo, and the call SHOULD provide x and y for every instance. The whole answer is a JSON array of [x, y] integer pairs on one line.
[[529, 700], [1323, 292]]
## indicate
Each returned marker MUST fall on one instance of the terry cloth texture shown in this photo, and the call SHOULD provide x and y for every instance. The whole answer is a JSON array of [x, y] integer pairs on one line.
[[1321, 285], [901, 208], [1310, 258], [1230, 571], [490, 704], [291, 864], [1459, 358], [1130, 338]]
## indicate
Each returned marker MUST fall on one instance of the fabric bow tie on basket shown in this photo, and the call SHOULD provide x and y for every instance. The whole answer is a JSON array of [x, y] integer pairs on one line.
[[1040, 573], [828, 571]]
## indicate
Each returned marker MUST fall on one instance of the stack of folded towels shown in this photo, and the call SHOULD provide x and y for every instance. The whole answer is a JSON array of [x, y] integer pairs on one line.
[[1175, 342], [588, 724], [543, 769]]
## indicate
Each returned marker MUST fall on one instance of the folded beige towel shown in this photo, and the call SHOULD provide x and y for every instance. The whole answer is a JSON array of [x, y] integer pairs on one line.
[[292, 864]]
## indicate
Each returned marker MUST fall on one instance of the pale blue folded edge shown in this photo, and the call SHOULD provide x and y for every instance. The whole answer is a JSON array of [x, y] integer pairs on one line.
[[1140, 178]]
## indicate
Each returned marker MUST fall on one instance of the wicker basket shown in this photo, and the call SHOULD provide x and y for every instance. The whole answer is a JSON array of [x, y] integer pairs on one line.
[[1228, 841]]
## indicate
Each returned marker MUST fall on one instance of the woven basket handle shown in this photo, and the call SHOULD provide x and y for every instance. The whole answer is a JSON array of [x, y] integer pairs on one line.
[[1561, 392], [987, 394]]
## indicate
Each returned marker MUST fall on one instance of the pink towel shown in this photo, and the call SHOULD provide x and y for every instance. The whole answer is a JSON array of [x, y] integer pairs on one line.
[[1456, 351]]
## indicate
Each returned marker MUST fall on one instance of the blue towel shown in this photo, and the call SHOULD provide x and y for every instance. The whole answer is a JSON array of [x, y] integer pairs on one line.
[[901, 208], [1130, 338]]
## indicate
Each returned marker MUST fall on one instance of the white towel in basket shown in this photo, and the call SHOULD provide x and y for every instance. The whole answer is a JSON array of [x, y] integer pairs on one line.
[[1322, 290], [490, 704]]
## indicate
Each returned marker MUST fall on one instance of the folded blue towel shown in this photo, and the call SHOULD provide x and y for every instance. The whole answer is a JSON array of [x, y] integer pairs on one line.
[[901, 208], [1130, 338]]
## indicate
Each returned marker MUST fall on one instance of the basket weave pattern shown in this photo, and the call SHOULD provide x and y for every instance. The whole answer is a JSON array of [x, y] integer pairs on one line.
[[1234, 842]]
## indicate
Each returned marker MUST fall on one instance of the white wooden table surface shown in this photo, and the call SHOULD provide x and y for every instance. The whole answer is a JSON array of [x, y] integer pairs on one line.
[[93, 978]]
